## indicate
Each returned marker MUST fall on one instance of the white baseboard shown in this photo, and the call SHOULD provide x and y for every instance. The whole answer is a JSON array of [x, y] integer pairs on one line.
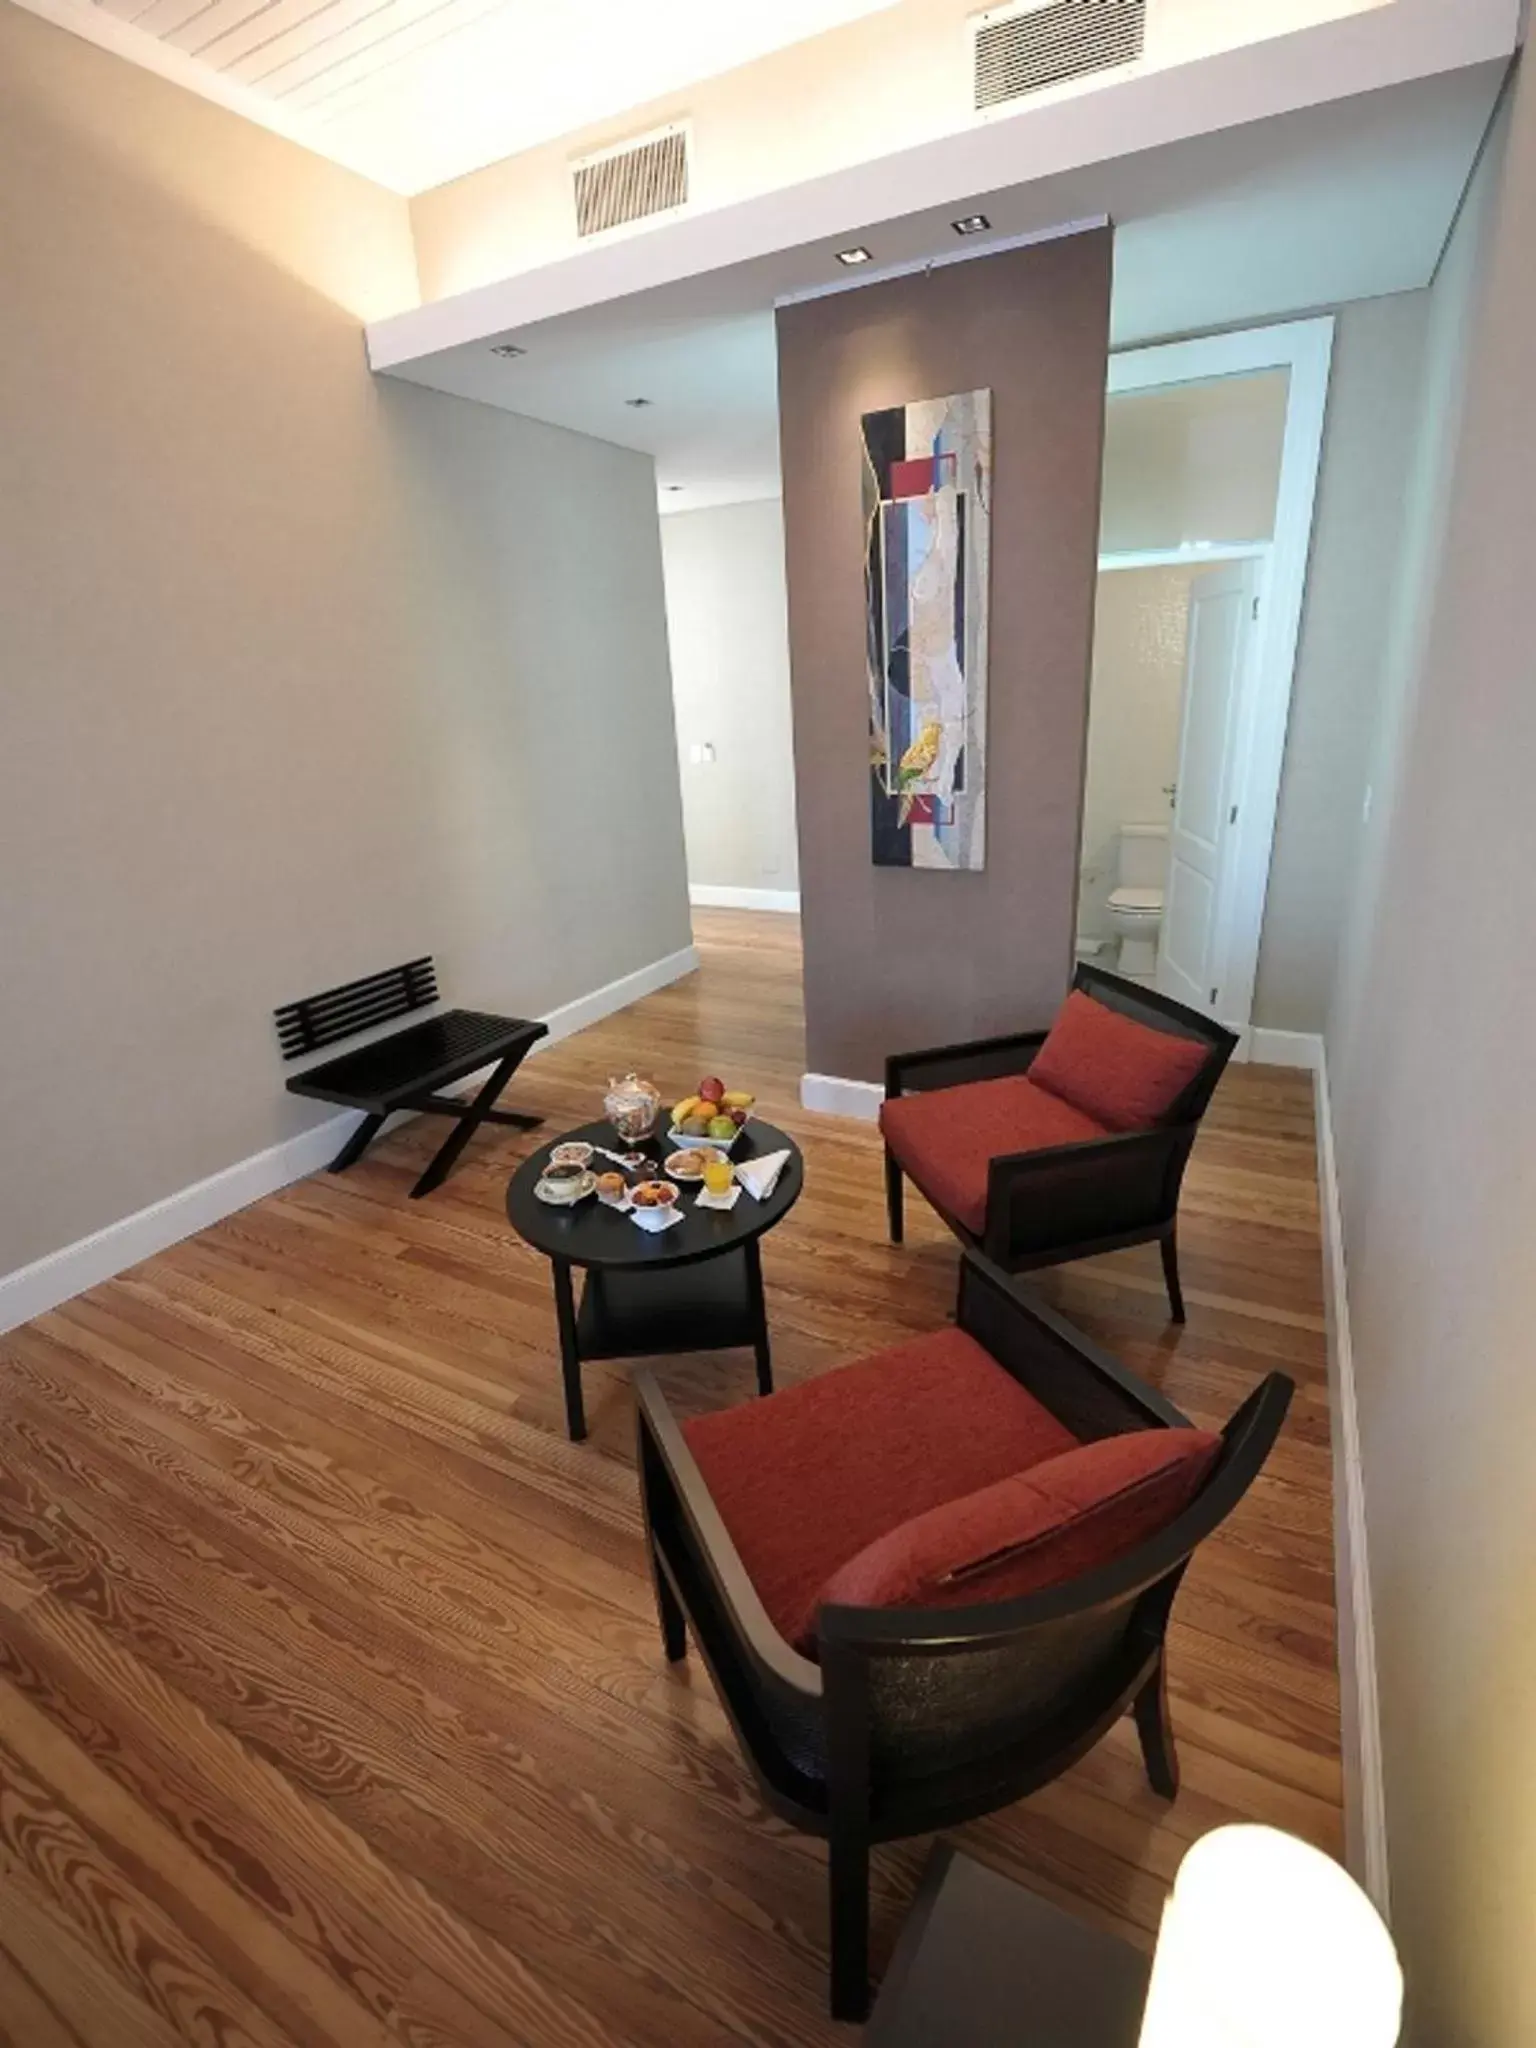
[[713, 896], [617, 995], [1284, 1049], [1365, 1821], [59, 1276], [833, 1096]]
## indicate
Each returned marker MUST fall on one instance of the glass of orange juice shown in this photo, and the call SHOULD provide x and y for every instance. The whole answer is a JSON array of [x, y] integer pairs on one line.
[[718, 1174]]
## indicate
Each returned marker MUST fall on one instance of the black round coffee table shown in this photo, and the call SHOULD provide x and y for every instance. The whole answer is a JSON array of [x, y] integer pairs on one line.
[[695, 1287]]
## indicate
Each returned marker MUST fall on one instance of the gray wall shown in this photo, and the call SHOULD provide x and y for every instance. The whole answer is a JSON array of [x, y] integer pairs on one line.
[[897, 957], [1372, 423], [302, 672], [729, 633], [1435, 1120]]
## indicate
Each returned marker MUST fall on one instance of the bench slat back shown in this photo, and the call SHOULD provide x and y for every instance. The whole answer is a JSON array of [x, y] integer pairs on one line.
[[355, 1006]]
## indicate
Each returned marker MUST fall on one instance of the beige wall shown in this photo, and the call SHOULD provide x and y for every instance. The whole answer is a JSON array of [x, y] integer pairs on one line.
[[898, 957], [728, 627], [1141, 634], [300, 671], [1194, 462], [1435, 1120], [1373, 411]]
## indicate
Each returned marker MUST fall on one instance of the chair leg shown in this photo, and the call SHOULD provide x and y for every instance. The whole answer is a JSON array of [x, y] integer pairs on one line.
[[848, 1878], [1170, 1247], [669, 1612], [446, 1157], [357, 1144], [893, 1210], [1155, 1727]]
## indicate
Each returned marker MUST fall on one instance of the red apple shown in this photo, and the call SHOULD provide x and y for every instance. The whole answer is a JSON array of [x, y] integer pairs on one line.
[[711, 1090], [737, 1116]]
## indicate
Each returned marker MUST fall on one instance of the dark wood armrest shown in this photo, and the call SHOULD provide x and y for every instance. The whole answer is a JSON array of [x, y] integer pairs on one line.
[[945, 1066], [728, 1583], [1086, 1195], [1087, 1390]]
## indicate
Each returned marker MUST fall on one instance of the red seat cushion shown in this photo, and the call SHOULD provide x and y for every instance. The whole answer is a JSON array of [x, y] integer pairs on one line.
[[1058, 1520], [805, 1479], [945, 1139], [1126, 1075]]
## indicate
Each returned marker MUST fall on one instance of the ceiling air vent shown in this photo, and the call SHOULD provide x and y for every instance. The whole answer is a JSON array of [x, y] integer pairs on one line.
[[631, 181], [1024, 48]]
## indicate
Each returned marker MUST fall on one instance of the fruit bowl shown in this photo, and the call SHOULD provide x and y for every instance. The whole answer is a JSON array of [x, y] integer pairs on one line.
[[695, 1119], [686, 1141]]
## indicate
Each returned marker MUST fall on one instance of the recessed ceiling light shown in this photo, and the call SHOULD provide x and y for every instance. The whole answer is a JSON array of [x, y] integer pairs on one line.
[[507, 348], [852, 256], [972, 224], [637, 402]]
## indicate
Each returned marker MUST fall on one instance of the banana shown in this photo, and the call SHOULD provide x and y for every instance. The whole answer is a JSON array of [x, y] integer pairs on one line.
[[737, 1098]]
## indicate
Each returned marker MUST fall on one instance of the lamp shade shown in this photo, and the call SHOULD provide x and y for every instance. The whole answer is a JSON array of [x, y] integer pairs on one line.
[[1268, 1943]]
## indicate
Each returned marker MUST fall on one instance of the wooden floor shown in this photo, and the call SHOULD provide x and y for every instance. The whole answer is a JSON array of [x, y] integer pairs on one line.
[[331, 1703]]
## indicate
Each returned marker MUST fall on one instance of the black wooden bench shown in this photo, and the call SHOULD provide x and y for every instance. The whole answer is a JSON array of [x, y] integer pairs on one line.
[[406, 1069]]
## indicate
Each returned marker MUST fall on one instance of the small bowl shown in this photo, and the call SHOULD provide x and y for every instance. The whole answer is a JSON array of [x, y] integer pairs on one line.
[[653, 1194], [572, 1153]]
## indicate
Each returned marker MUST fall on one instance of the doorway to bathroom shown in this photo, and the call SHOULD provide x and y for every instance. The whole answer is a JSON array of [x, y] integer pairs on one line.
[[1211, 456]]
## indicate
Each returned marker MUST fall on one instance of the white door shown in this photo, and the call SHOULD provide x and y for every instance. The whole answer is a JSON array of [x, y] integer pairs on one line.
[[1223, 605]]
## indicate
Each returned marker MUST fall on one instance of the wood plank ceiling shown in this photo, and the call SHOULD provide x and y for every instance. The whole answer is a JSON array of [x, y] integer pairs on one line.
[[417, 92]]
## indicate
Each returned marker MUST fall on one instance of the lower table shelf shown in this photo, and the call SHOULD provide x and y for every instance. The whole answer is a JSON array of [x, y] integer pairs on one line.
[[635, 1313]]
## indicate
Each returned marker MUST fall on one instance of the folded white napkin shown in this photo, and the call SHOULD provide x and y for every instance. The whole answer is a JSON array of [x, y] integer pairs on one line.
[[760, 1176], [656, 1219]]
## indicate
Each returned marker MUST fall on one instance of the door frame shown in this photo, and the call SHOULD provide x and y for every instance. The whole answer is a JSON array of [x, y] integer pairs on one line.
[[1305, 348]]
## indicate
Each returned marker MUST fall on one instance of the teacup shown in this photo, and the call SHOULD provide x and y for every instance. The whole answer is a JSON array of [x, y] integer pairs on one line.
[[563, 1174]]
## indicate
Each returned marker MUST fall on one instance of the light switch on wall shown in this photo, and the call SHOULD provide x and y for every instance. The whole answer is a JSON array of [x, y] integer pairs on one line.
[[702, 754]]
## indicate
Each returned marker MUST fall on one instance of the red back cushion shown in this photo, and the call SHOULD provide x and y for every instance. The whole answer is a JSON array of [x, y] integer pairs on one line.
[[1039, 1528], [1124, 1074]]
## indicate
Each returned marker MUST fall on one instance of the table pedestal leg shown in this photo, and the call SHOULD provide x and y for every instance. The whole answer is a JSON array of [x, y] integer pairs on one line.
[[760, 1349], [570, 1355]]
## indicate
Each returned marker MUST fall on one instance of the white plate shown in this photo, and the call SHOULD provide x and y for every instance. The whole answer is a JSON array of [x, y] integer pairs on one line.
[[694, 1145]]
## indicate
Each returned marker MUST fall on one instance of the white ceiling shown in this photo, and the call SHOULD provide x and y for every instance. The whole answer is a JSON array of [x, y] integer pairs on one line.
[[1350, 200], [416, 92]]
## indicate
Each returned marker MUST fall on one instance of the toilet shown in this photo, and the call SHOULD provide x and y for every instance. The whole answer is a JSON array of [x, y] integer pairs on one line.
[[1136, 902]]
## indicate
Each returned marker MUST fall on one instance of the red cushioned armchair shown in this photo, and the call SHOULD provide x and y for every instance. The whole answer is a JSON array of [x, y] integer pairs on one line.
[[1048, 1146], [926, 1584]]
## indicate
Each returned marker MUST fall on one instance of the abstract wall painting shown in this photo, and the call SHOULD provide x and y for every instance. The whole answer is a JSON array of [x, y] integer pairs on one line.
[[928, 519]]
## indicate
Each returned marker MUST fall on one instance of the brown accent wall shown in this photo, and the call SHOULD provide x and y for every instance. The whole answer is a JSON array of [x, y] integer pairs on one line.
[[894, 958]]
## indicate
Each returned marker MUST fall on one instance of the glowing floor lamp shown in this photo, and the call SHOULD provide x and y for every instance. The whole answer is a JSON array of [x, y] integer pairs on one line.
[[1267, 1943]]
